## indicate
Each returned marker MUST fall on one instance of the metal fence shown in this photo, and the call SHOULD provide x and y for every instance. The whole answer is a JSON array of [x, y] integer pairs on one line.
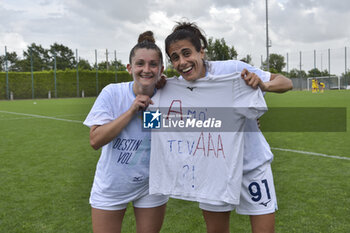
[[333, 60], [330, 82], [97, 56]]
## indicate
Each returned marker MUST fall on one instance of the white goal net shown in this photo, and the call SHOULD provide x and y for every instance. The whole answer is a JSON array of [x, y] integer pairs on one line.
[[330, 82]]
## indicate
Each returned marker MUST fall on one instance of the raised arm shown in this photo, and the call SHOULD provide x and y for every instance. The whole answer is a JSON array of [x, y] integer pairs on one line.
[[100, 135], [278, 83]]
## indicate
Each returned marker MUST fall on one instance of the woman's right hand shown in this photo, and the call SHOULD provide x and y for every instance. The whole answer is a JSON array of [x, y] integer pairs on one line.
[[140, 103], [100, 135]]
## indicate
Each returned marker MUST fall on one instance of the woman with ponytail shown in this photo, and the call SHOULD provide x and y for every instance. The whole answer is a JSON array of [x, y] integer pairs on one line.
[[122, 172]]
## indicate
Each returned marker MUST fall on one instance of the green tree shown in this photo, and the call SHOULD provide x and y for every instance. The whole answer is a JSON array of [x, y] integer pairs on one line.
[[2, 63], [247, 59], [117, 65], [314, 73], [113, 66], [218, 50], [12, 62], [84, 64], [295, 73], [103, 65], [40, 57], [325, 73], [276, 62], [64, 57]]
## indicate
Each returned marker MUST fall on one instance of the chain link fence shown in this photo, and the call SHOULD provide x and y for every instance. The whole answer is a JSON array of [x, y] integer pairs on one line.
[[334, 61]]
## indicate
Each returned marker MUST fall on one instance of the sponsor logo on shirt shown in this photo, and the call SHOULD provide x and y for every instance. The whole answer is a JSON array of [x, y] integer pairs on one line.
[[191, 88]]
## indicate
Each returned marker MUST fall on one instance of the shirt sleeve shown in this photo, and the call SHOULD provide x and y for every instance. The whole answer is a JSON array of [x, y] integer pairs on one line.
[[263, 75], [101, 112], [247, 101], [232, 66]]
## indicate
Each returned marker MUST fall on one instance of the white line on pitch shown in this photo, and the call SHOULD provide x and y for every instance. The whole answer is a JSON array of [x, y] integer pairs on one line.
[[311, 153], [273, 148], [39, 116]]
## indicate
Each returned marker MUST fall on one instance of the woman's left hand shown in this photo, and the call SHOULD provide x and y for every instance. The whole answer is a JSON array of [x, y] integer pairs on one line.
[[253, 80], [161, 82]]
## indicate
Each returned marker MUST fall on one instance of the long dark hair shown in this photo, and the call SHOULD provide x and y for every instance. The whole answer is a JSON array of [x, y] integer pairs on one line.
[[187, 31]]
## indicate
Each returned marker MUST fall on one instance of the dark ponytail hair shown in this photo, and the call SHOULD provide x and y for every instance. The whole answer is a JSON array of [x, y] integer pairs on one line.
[[187, 31], [146, 40]]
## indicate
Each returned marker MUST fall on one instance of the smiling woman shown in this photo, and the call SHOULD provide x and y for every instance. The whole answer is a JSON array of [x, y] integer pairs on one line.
[[146, 65], [187, 60], [145, 69], [123, 168], [185, 47]]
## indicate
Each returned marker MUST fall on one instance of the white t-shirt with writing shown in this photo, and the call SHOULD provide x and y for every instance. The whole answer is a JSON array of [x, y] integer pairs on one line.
[[122, 172], [204, 166], [256, 149]]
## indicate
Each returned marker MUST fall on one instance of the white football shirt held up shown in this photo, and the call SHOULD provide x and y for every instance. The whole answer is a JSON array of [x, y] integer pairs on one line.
[[204, 166]]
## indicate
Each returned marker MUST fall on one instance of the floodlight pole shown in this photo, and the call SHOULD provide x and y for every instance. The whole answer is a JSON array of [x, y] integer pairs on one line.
[[116, 66], [267, 38], [77, 67], [96, 67], [346, 68], [55, 77], [329, 62], [31, 70], [7, 76]]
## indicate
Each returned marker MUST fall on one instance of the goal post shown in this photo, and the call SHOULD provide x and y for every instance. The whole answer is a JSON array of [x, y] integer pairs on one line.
[[331, 82]]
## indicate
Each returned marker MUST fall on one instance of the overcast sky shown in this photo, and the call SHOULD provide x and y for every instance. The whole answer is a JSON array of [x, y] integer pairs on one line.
[[86, 25]]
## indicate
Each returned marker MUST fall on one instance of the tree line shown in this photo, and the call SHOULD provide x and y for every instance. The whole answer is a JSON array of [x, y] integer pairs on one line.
[[61, 57], [277, 64], [219, 50], [58, 56]]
